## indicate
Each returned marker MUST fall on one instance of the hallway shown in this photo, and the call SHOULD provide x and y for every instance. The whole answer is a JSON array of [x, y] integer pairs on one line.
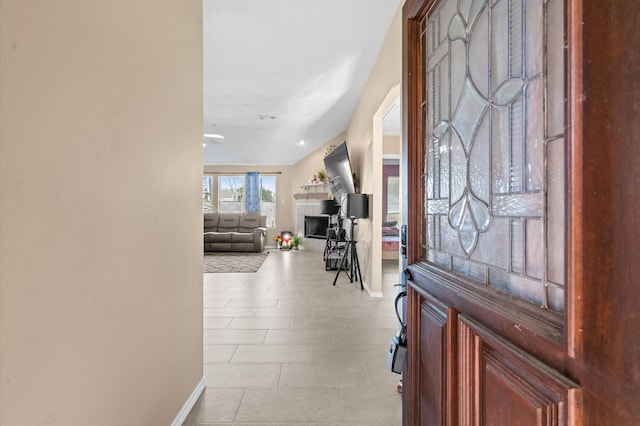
[[284, 347]]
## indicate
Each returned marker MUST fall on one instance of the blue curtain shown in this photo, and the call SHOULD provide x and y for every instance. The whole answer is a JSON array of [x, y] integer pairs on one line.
[[252, 184]]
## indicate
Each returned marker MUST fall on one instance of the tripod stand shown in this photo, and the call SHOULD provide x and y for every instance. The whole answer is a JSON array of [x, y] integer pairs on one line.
[[354, 264]]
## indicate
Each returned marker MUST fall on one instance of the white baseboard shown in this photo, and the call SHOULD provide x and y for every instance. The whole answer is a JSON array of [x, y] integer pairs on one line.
[[188, 405], [371, 292]]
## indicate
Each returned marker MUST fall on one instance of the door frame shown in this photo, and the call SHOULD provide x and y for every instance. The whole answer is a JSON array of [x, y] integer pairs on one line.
[[376, 214]]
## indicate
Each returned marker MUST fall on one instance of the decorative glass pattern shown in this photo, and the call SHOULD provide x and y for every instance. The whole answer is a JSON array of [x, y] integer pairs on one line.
[[494, 93]]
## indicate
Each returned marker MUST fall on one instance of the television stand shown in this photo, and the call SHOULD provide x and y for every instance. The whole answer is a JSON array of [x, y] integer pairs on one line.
[[334, 249]]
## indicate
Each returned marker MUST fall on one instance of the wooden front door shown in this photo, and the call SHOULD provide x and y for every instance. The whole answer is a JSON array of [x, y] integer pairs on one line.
[[522, 160]]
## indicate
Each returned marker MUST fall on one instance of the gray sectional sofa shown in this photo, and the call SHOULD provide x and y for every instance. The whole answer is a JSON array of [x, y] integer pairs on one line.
[[234, 232]]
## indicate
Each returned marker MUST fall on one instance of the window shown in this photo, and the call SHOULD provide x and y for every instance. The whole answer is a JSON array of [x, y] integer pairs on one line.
[[393, 195], [207, 194], [268, 199], [231, 195]]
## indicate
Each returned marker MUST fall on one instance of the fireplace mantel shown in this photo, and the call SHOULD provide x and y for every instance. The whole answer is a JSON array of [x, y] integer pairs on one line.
[[312, 191], [310, 196]]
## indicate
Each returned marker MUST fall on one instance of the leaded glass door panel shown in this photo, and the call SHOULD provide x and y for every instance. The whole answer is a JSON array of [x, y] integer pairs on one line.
[[494, 144]]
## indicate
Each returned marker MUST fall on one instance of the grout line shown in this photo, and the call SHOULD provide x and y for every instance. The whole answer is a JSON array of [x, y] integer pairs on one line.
[[235, 415], [279, 376], [233, 354]]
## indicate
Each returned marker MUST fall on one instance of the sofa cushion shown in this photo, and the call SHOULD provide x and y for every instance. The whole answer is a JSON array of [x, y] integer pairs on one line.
[[218, 237], [250, 221], [228, 222], [242, 237], [211, 222]]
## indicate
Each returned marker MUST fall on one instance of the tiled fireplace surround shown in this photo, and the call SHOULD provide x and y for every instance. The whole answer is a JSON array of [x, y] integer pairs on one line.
[[308, 207]]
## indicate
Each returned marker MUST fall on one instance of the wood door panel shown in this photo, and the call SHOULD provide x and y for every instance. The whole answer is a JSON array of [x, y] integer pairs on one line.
[[431, 360], [502, 385], [507, 405], [433, 332]]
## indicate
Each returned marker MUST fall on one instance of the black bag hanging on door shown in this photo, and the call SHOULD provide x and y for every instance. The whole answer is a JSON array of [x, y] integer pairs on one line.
[[398, 349]]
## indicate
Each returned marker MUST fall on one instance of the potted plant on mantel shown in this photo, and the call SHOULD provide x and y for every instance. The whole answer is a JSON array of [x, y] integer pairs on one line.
[[322, 175]]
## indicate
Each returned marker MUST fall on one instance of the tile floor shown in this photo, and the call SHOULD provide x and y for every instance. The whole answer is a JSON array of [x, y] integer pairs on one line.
[[284, 347]]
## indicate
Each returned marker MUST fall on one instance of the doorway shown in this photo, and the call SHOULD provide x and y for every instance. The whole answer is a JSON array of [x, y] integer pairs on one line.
[[387, 149]]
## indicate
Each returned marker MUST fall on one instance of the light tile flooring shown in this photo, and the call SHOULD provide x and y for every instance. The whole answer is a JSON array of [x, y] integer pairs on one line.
[[284, 347]]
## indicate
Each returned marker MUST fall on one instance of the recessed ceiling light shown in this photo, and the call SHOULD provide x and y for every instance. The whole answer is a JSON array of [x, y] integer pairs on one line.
[[301, 142], [212, 135], [204, 144]]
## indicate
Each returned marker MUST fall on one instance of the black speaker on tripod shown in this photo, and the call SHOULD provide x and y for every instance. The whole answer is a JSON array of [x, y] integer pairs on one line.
[[329, 207], [356, 207]]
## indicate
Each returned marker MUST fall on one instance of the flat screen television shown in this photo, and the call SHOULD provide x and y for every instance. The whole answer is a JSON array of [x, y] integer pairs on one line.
[[339, 172]]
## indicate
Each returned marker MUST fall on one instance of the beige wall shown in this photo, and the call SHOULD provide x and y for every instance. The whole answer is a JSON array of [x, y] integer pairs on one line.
[[284, 209], [100, 212], [384, 77], [391, 145], [302, 172]]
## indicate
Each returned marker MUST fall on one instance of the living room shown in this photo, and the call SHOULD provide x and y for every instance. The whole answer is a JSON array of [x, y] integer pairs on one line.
[[372, 139]]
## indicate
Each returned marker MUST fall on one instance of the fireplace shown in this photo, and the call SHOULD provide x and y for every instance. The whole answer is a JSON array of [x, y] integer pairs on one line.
[[316, 227]]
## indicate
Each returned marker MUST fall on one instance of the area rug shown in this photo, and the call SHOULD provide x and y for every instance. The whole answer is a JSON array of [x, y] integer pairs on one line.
[[220, 262]]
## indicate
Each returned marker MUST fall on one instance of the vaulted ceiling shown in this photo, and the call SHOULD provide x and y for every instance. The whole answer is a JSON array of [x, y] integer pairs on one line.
[[277, 72]]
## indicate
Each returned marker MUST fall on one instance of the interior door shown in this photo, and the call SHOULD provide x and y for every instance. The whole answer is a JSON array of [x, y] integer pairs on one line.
[[522, 177]]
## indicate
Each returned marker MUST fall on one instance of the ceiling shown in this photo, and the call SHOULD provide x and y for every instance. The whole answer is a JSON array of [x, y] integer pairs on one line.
[[280, 71]]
